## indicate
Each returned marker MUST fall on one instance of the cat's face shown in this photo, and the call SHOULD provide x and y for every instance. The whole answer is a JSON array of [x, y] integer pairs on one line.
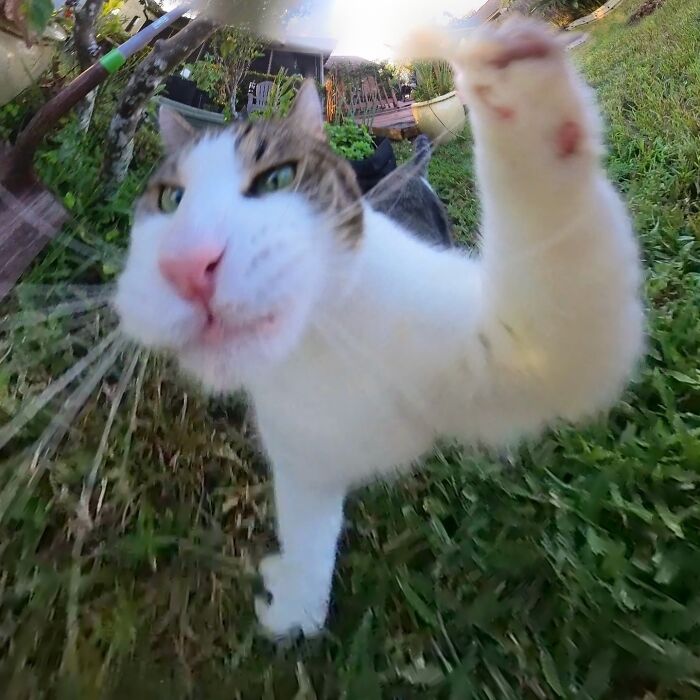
[[240, 238]]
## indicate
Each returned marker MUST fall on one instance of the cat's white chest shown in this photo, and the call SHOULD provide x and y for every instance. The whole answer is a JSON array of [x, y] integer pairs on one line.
[[370, 388], [341, 420]]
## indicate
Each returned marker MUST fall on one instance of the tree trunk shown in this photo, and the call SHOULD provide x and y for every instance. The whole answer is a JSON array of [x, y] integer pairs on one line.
[[232, 101], [85, 110], [153, 7], [87, 49], [236, 76], [147, 77]]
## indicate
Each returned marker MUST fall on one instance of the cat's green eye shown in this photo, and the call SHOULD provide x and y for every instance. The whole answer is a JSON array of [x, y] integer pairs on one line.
[[169, 198], [274, 180]]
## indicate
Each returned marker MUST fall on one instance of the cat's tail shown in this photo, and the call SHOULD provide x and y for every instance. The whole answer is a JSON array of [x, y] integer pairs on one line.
[[422, 153]]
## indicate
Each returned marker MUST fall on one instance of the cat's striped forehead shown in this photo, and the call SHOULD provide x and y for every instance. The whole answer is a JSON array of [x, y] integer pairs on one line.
[[326, 180]]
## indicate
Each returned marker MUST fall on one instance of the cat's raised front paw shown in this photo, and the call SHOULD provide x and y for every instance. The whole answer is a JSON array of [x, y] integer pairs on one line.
[[298, 602], [519, 85]]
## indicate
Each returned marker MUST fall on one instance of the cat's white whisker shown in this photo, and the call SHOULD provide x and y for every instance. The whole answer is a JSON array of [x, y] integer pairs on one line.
[[300, 176], [34, 215], [386, 194], [84, 520], [138, 390], [63, 418], [77, 332], [102, 448], [34, 317], [44, 290], [33, 406], [392, 184], [47, 297], [34, 460]]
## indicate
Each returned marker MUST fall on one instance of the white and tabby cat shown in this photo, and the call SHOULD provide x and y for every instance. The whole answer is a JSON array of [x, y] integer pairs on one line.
[[256, 262]]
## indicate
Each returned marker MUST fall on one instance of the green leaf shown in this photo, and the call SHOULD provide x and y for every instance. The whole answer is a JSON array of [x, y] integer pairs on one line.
[[550, 672], [598, 677], [595, 542], [39, 13], [306, 690], [427, 675], [672, 522], [683, 378], [69, 200], [361, 680], [417, 603]]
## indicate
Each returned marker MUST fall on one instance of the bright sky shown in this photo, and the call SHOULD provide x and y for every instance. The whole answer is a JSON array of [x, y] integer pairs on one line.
[[368, 28]]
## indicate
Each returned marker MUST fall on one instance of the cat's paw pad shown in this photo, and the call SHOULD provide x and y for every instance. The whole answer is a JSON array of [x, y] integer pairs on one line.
[[296, 604], [517, 41], [486, 61], [517, 79]]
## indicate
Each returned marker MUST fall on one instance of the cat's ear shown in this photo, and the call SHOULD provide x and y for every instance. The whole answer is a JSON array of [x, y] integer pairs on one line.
[[174, 129], [307, 110]]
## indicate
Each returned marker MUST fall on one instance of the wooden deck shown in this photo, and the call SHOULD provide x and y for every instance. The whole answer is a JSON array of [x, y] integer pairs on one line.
[[395, 124], [29, 219]]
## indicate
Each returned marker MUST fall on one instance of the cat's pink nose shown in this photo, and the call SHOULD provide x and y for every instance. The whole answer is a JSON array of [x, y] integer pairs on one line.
[[193, 275]]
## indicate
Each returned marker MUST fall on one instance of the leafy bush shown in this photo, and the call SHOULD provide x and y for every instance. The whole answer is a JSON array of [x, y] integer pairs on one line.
[[210, 76], [560, 12], [221, 71], [433, 78], [281, 96], [389, 75], [350, 140], [110, 27]]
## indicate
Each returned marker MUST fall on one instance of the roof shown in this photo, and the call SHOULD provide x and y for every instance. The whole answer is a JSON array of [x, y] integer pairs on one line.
[[489, 10], [349, 61], [305, 44]]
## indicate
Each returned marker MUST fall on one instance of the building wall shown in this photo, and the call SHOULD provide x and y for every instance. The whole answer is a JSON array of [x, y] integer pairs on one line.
[[307, 65], [20, 66]]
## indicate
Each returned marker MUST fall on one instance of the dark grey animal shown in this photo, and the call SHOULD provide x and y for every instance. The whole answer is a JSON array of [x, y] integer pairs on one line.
[[405, 195]]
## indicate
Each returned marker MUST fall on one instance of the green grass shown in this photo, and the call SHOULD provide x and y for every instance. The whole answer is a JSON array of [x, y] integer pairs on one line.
[[570, 573]]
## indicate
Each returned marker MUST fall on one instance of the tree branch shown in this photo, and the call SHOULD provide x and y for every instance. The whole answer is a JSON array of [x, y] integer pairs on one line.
[[87, 50], [153, 7], [84, 31], [166, 55]]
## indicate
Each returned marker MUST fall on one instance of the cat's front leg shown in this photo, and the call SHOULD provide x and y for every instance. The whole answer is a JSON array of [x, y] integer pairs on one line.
[[560, 320], [535, 122], [299, 578]]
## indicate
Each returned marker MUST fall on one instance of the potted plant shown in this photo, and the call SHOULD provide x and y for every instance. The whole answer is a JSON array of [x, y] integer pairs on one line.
[[439, 113]]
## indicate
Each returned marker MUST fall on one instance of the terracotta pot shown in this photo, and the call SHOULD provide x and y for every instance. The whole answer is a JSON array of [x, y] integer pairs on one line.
[[440, 119]]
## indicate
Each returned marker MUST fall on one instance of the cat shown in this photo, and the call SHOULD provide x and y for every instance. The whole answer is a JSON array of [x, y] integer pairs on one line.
[[255, 261], [407, 197]]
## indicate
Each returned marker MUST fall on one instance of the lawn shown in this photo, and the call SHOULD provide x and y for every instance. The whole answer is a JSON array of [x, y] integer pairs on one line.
[[569, 570]]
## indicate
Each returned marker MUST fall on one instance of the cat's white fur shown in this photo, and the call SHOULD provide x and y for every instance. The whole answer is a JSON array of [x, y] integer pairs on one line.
[[378, 350]]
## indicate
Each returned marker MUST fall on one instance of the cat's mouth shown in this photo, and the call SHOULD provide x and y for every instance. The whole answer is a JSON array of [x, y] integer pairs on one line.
[[219, 331]]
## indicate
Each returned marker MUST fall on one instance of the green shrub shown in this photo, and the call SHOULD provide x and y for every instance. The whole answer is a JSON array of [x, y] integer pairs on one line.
[[563, 12], [281, 96], [433, 78], [350, 140]]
